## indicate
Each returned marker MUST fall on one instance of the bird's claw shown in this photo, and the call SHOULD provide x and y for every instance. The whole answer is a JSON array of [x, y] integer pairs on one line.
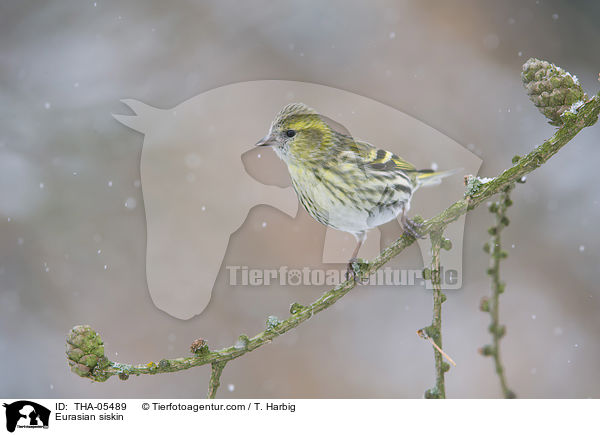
[[355, 267], [350, 270]]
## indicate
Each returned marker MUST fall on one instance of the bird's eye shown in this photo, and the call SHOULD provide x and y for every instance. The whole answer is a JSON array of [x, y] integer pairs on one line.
[[290, 133]]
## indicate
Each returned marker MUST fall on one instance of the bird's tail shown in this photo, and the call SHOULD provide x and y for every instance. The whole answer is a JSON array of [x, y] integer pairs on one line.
[[428, 177]]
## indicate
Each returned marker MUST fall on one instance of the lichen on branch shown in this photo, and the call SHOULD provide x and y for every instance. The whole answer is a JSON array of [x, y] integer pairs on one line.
[[491, 305], [434, 331]]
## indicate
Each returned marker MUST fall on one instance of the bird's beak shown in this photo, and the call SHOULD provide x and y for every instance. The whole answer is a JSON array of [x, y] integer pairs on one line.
[[266, 141]]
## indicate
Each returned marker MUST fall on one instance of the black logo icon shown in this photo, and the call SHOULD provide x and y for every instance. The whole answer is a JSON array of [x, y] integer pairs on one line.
[[26, 414]]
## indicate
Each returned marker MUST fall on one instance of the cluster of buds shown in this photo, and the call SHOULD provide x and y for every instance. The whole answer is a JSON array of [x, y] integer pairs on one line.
[[553, 90], [85, 353]]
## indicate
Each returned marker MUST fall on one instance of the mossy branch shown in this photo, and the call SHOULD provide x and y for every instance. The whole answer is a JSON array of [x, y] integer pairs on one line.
[[215, 379], [434, 331], [492, 305], [85, 348]]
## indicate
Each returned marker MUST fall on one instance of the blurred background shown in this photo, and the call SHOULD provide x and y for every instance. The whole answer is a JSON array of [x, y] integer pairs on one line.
[[73, 230]]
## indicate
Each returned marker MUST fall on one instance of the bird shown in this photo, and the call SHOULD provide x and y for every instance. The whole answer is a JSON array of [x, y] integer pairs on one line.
[[342, 182]]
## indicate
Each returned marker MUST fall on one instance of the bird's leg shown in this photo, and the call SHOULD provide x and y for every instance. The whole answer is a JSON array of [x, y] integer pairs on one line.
[[351, 271], [410, 227]]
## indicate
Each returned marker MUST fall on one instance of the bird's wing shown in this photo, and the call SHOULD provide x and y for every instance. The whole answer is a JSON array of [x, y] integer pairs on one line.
[[381, 161]]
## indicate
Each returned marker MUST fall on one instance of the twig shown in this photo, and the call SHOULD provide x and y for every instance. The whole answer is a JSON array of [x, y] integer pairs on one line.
[[586, 116], [421, 333], [434, 331], [492, 306], [215, 379]]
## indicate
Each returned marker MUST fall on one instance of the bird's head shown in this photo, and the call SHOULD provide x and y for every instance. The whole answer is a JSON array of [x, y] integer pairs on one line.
[[299, 133]]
